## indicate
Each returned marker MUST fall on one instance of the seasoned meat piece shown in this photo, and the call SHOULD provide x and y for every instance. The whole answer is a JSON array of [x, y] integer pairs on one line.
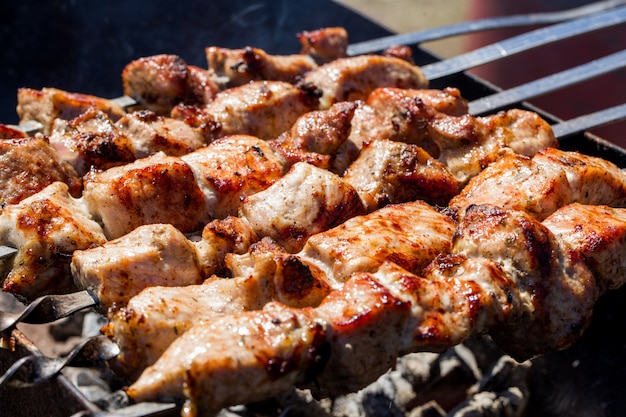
[[150, 134], [547, 291], [402, 115], [240, 66], [28, 165], [403, 52], [222, 237], [167, 312], [307, 200], [317, 135], [390, 101], [157, 83], [593, 180], [264, 109], [516, 182], [410, 235], [147, 326], [354, 78], [157, 189], [202, 86], [468, 144], [46, 228], [121, 268], [233, 167], [48, 104], [160, 82], [597, 233], [91, 140], [538, 186], [324, 45], [394, 172], [231, 338]]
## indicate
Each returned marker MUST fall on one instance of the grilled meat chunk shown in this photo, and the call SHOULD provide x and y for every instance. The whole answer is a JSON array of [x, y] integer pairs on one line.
[[349, 79], [317, 135], [264, 109], [91, 140], [157, 189], [540, 185], [151, 133], [46, 228], [466, 145], [122, 267], [232, 168], [160, 82], [394, 172], [28, 165], [390, 101], [324, 45], [235, 67], [307, 200], [48, 104]]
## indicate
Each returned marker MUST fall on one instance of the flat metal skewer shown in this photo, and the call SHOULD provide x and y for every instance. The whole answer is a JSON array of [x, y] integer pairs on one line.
[[482, 25]]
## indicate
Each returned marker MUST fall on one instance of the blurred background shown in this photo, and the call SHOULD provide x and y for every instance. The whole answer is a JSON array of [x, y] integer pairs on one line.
[[83, 46]]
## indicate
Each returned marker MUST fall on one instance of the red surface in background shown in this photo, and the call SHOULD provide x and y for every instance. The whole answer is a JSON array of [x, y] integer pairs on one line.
[[593, 95]]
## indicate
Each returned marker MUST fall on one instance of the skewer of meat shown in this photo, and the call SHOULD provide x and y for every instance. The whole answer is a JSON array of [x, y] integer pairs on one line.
[[282, 211], [533, 297], [331, 255], [266, 272], [102, 188]]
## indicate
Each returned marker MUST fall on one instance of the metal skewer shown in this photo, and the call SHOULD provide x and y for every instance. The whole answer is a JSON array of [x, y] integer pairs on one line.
[[481, 25]]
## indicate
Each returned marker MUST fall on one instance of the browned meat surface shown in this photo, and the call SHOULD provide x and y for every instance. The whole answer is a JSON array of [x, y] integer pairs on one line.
[[232, 168], [28, 165], [122, 267], [10, 132], [395, 172], [324, 45], [235, 67], [390, 101], [150, 134], [202, 86], [354, 78], [46, 228], [264, 109], [158, 82], [92, 140], [307, 200], [316, 137], [157, 189], [540, 185], [48, 104]]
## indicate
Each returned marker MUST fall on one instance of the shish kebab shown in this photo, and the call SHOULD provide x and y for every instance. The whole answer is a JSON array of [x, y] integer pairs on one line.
[[105, 193], [9, 251], [538, 186]]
